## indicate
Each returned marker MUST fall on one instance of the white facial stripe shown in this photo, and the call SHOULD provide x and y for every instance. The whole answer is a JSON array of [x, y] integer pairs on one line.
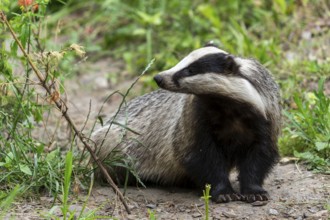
[[192, 57], [247, 67], [234, 87]]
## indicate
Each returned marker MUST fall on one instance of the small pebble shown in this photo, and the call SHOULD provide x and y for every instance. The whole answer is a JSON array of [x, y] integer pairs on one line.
[[200, 204], [229, 214], [321, 214], [131, 217], [273, 212], [151, 206], [313, 209], [196, 215], [131, 207], [259, 203]]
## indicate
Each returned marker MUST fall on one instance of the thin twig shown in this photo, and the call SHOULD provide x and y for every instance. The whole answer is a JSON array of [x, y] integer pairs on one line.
[[296, 164], [94, 124], [100, 110], [62, 107], [88, 114]]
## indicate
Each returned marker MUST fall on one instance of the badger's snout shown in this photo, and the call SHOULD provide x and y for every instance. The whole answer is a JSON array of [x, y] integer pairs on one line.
[[159, 80]]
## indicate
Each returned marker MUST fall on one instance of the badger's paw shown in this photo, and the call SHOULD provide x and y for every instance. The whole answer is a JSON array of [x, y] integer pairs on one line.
[[254, 193], [223, 198], [250, 198]]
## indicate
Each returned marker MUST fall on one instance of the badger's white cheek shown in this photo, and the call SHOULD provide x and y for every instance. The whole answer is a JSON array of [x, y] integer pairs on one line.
[[234, 87], [242, 89]]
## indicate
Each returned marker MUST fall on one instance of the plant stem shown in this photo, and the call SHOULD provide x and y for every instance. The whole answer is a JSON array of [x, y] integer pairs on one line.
[[63, 108]]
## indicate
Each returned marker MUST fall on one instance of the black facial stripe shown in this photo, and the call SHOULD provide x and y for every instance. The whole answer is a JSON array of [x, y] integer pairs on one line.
[[181, 74], [214, 63]]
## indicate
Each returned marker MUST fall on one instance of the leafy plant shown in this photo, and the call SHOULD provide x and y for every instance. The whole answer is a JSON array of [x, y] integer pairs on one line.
[[308, 131], [152, 215]]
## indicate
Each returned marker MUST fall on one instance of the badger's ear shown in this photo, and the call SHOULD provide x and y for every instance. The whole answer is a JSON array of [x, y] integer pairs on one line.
[[211, 43], [231, 65]]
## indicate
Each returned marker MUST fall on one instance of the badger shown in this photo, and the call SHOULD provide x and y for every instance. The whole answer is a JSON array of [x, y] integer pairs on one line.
[[215, 112]]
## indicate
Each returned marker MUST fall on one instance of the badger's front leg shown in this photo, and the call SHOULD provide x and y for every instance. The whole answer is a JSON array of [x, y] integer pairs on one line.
[[208, 166], [254, 168]]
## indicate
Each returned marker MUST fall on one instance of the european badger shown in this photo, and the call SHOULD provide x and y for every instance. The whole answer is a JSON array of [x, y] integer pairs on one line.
[[214, 112]]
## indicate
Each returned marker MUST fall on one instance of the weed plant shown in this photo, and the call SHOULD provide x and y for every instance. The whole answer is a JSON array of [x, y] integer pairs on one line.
[[25, 158], [307, 133], [22, 157], [206, 197]]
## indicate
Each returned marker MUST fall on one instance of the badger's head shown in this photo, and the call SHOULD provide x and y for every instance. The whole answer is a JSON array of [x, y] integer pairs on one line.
[[211, 71]]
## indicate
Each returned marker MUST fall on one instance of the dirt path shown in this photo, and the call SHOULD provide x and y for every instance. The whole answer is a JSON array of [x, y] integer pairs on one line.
[[296, 193]]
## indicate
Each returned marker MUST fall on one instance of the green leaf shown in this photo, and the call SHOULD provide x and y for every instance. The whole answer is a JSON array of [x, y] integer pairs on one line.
[[124, 126], [67, 174], [280, 5], [101, 120], [305, 155], [150, 19], [9, 157], [25, 169], [321, 145], [51, 156]]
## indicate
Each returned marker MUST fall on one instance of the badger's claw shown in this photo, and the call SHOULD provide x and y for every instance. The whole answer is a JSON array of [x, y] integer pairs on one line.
[[223, 198], [255, 197]]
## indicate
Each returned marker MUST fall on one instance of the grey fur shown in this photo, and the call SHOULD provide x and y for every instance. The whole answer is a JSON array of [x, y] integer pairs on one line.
[[148, 115]]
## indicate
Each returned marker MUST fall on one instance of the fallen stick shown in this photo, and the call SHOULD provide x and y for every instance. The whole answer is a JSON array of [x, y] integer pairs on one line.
[[63, 108]]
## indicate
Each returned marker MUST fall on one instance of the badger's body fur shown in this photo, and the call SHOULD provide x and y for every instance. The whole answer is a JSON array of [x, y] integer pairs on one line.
[[214, 113]]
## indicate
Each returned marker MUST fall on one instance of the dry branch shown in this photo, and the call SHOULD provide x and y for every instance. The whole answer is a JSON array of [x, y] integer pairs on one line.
[[63, 108]]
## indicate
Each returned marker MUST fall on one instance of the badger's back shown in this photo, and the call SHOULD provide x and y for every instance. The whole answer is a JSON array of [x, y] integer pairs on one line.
[[154, 117]]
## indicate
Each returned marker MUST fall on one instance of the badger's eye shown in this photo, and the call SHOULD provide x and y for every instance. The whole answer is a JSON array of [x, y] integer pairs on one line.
[[186, 72]]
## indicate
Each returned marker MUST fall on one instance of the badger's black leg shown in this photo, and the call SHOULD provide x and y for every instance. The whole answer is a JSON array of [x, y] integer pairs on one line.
[[223, 192], [253, 169], [208, 166]]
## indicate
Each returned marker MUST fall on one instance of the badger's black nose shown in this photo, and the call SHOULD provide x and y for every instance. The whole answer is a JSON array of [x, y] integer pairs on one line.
[[159, 80]]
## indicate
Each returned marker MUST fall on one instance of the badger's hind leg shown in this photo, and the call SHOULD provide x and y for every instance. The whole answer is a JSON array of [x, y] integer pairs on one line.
[[111, 147]]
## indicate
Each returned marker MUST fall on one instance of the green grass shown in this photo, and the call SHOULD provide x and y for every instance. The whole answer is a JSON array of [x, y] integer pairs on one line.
[[7, 202]]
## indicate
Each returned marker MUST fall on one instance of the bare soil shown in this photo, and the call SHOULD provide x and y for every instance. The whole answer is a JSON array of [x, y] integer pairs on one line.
[[296, 193]]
